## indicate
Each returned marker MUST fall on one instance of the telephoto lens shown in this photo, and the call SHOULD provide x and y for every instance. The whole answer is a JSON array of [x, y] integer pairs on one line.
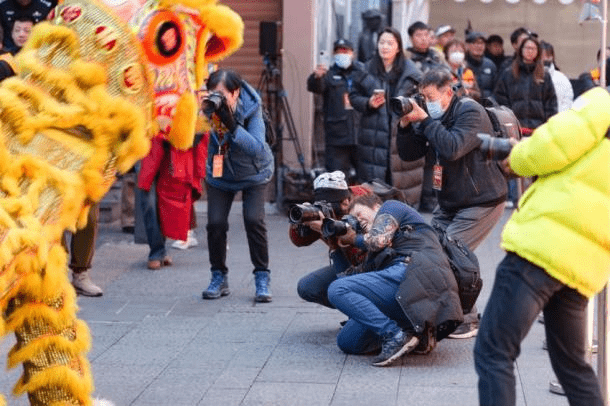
[[495, 148]]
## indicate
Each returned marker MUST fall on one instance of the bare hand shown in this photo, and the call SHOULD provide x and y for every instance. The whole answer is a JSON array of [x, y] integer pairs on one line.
[[348, 238], [416, 115], [377, 100], [320, 70]]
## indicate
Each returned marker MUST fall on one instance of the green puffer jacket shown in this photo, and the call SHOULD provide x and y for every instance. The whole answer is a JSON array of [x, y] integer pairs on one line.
[[563, 221]]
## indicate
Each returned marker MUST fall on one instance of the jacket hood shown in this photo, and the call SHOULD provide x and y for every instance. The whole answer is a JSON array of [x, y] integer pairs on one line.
[[248, 102]]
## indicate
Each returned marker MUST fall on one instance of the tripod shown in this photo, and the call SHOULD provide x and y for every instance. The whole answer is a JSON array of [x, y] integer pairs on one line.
[[274, 98]]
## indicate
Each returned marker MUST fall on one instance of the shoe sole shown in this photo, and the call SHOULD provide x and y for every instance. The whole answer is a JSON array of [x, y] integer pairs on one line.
[[408, 347], [85, 293], [224, 292], [469, 334], [263, 299]]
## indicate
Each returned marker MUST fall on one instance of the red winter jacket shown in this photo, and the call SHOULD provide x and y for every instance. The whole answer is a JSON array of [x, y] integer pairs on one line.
[[178, 176]]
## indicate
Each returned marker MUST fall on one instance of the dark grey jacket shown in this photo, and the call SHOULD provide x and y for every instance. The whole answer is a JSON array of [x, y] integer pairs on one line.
[[378, 156], [469, 178], [486, 72]]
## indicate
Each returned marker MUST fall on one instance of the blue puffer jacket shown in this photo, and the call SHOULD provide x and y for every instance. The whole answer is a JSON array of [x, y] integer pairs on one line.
[[249, 160]]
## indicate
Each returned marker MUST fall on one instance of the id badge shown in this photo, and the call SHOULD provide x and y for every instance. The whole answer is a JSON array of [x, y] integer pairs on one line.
[[437, 177], [217, 165], [346, 104]]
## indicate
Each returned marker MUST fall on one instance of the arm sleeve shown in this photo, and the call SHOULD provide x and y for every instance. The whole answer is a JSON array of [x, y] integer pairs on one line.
[[359, 96], [458, 140], [410, 144], [316, 85], [151, 164], [250, 137]]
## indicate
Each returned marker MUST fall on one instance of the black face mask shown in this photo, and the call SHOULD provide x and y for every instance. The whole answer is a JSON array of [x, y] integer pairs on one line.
[[548, 63]]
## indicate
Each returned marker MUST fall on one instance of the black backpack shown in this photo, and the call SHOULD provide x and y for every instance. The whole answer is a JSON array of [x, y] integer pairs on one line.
[[465, 266]]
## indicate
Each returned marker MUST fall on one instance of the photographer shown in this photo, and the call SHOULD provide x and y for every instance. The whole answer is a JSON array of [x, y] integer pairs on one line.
[[239, 159], [471, 188], [405, 291], [331, 193]]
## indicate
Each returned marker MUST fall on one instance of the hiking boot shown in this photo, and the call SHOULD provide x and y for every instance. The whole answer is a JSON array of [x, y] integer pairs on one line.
[[395, 346], [261, 281], [84, 285], [219, 286], [466, 330]]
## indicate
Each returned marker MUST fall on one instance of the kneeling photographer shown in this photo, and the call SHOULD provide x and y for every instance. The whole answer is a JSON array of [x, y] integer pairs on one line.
[[332, 198], [405, 294], [471, 188]]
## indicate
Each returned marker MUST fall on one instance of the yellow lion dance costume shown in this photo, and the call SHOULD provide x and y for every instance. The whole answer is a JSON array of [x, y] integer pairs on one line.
[[93, 87]]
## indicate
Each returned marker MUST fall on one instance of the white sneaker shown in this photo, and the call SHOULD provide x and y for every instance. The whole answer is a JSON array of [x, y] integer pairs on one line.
[[191, 241]]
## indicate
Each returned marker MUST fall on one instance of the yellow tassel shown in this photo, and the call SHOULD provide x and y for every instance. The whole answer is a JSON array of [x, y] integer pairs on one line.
[[182, 134]]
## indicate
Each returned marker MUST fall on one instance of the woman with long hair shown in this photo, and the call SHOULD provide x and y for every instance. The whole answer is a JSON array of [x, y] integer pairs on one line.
[[527, 88], [387, 74]]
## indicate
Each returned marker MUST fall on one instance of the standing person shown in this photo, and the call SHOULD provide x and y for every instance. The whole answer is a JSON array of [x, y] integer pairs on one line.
[[444, 34], [23, 10], [557, 254], [239, 159], [494, 51], [526, 88], [334, 85], [22, 28], [484, 69], [367, 40], [471, 189], [421, 53], [388, 74], [561, 83], [82, 249], [455, 52]]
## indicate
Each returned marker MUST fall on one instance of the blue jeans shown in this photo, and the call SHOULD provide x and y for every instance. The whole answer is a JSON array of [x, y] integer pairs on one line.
[[219, 206], [368, 299], [146, 202], [313, 287], [521, 290]]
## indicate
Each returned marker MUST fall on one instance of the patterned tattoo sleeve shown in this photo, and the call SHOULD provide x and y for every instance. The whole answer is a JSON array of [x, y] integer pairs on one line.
[[382, 231]]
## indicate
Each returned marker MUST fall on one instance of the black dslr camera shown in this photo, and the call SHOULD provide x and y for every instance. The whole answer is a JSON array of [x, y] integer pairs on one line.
[[401, 105], [337, 228], [302, 213], [212, 103]]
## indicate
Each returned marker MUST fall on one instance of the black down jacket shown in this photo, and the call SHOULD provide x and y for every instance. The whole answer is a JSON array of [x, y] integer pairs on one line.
[[377, 152], [532, 102]]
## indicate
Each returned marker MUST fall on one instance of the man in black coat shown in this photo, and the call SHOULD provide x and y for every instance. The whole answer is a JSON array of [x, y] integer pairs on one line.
[[334, 85], [471, 189], [484, 69]]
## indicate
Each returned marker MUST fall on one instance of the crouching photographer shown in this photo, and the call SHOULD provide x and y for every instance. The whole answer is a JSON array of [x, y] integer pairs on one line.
[[313, 222], [405, 294]]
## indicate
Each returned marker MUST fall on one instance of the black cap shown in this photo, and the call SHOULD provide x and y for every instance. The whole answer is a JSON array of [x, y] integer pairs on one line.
[[342, 43], [475, 35], [372, 13], [495, 38]]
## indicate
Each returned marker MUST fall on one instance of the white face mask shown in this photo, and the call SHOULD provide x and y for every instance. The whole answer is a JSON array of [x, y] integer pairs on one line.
[[435, 110], [456, 57], [343, 60]]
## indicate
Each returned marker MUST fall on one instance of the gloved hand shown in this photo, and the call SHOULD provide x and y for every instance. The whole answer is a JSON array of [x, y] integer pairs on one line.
[[226, 116]]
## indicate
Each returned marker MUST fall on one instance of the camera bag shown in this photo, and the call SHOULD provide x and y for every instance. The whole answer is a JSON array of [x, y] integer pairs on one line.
[[503, 120], [465, 266]]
